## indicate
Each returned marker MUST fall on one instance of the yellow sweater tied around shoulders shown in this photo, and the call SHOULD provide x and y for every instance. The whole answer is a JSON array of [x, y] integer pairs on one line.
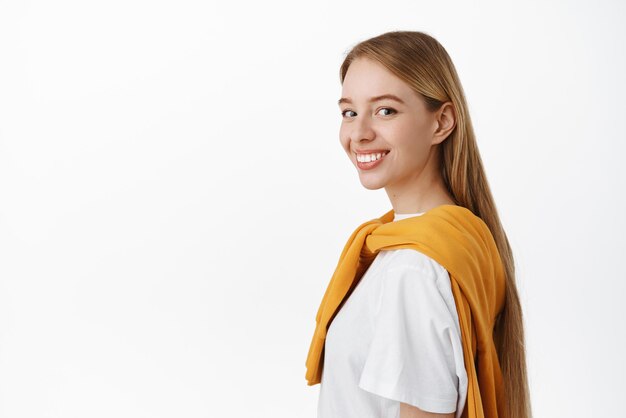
[[463, 244]]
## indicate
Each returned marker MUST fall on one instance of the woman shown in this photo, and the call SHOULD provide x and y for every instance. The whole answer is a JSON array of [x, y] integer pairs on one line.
[[421, 317]]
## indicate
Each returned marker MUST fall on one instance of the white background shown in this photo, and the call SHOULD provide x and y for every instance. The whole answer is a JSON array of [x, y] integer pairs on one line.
[[174, 198]]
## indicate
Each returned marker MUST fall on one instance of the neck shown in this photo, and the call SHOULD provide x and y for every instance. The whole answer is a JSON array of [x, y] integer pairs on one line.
[[418, 198]]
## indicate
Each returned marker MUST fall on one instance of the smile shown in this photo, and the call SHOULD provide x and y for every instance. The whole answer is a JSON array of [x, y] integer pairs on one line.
[[369, 161]]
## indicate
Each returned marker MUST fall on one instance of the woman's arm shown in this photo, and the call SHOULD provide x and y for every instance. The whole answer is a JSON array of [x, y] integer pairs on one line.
[[416, 353], [409, 411]]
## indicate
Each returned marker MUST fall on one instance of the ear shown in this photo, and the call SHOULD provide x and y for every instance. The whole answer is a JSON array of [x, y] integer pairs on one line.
[[445, 119]]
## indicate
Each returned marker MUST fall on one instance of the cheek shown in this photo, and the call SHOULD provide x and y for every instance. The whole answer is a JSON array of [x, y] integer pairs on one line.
[[410, 143], [344, 140], [404, 137]]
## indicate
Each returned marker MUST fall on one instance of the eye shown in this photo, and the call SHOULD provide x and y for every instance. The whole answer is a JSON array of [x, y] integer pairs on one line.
[[389, 109], [344, 112]]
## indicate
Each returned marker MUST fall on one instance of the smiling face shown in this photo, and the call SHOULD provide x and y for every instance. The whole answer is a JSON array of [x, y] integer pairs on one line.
[[381, 113]]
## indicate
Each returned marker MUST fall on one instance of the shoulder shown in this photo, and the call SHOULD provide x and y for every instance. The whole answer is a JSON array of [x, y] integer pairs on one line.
[[407, 259], [414, 284], [410, 267]]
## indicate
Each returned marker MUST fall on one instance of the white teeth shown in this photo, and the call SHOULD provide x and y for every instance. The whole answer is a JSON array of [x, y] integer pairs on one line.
[[366, 158]]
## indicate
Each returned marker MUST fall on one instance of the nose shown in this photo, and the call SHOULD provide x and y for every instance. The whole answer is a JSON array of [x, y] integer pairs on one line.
[[362, 130]]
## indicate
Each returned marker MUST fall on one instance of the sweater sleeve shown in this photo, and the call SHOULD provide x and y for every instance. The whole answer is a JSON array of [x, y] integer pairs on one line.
[[416, 354]]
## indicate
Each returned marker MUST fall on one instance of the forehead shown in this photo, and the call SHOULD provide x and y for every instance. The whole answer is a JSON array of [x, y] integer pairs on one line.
[[366, 77]]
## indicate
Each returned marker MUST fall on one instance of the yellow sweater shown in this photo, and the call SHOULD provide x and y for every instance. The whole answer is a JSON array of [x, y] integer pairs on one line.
[[462, 243]]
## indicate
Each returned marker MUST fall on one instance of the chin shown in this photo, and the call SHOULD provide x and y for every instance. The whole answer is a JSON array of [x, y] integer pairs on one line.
[[373, 188], [372, 185]]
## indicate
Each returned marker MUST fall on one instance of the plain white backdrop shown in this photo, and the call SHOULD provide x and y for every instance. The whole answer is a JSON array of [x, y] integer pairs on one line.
[[174, 198]]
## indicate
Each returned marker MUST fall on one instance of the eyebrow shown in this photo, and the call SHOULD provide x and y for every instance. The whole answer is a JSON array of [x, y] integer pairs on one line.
[[374, 99]]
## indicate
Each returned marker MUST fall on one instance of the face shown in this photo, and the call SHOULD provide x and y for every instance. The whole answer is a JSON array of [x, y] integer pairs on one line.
[[382, 117]]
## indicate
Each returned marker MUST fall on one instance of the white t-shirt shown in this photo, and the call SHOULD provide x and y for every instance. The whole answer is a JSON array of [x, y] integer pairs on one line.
[[395, 339]]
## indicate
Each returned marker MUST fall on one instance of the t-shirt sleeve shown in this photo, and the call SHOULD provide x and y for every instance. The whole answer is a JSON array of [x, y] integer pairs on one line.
[[416, 353]]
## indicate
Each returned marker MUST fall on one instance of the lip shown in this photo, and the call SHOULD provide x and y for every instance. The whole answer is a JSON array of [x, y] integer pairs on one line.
[[372, 164], [369, 151]]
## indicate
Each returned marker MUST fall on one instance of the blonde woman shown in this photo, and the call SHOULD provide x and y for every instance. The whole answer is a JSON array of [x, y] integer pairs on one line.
[[421, 317]]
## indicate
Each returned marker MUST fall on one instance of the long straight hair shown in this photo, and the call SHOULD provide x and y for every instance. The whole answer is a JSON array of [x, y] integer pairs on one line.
[[421, 61]]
